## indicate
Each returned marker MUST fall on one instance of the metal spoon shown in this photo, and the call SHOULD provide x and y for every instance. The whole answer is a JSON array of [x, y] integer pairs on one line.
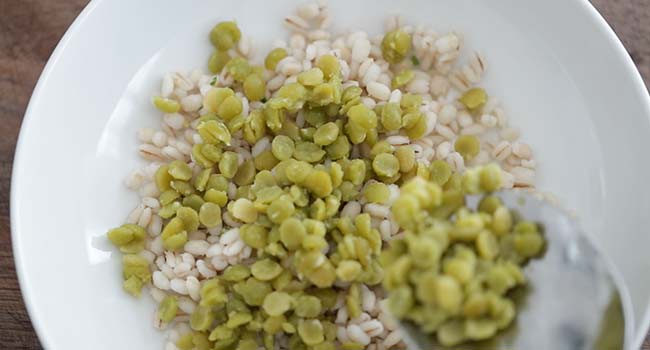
[[574, 299]]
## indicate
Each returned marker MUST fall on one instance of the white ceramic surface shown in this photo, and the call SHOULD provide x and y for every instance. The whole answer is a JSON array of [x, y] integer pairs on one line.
[[563, 75]]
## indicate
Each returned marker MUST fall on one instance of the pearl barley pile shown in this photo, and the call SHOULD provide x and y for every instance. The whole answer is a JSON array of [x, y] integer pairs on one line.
[[266, 200]]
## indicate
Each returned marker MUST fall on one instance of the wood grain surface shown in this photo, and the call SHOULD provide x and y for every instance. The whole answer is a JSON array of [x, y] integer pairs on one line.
[[29, 31]]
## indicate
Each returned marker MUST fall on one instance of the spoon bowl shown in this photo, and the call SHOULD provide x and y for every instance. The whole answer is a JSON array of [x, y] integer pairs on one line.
[[574, 299]]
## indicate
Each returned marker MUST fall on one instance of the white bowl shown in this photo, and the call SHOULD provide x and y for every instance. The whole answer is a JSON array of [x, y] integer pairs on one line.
[[564, 76]]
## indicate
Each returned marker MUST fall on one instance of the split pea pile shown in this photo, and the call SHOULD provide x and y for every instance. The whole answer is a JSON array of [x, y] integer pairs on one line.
[[451, 271], [266, 220]]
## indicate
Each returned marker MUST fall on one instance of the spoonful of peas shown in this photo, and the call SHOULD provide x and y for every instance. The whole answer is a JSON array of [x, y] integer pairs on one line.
[[508, 270]]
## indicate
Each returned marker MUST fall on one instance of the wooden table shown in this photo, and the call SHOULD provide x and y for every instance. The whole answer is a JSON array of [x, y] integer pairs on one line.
[[29, 31]]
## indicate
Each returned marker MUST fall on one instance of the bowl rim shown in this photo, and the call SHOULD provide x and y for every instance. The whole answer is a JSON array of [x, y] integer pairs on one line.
[[26, 292], [589, 9]]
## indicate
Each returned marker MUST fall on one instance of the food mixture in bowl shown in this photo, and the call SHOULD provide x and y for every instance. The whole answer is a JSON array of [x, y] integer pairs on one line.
[[271, 190]]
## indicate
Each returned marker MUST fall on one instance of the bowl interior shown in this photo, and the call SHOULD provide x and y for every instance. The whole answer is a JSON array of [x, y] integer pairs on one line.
[[569, 87]]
